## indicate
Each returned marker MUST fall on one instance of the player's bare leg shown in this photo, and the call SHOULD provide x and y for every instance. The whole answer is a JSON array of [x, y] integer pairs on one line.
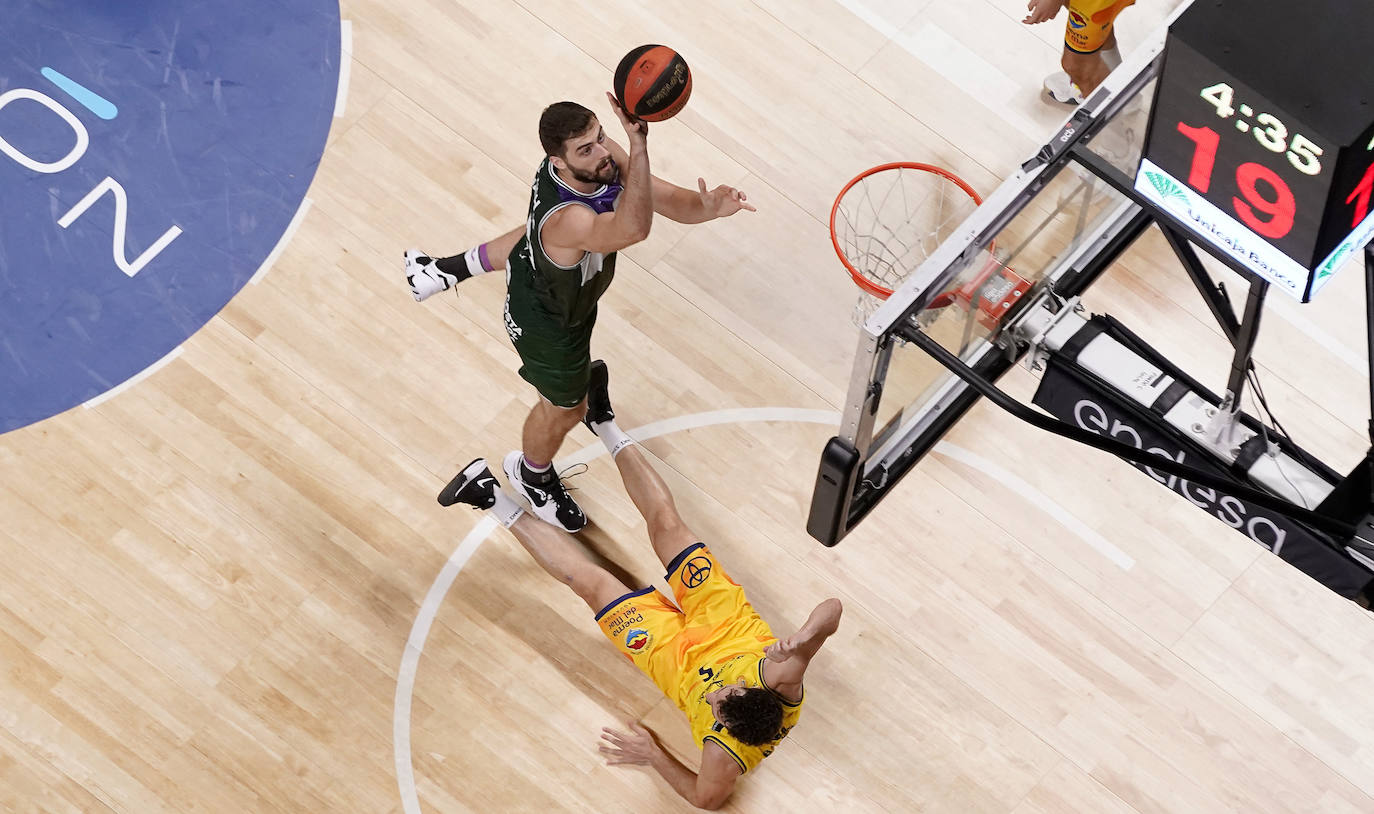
[[1067, 86], [558, 553], [1087, 71], [545, 428], [531, 469], [646, 488], [554, 550], [428, 276], [668, 534]]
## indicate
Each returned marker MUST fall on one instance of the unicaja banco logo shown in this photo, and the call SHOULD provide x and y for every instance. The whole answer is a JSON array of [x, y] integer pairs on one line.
[[1168, 189]]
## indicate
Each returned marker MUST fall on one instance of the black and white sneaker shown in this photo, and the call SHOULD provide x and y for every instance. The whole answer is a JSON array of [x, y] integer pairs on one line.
[[598, 397], [475, 486], [424, 277], [550, 501]]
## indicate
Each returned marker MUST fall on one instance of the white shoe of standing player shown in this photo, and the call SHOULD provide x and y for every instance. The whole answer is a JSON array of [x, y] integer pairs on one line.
[[1061, 89]]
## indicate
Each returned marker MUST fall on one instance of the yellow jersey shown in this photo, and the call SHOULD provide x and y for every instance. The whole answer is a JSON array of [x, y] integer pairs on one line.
[[1090, 23], [715, 639]]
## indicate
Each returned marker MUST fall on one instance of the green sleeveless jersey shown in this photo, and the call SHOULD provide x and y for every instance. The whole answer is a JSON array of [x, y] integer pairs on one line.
[[535, 283]]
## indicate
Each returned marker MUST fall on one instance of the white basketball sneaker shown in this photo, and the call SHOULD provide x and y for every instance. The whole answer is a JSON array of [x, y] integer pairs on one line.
[[1061, 89], [549, 500], [424, 277]]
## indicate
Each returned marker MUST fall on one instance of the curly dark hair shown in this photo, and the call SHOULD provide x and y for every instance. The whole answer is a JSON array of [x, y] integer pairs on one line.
[[754, 717], [561, 121]]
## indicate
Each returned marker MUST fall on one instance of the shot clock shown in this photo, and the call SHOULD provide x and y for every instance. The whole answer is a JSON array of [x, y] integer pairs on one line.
[[1261, 139]]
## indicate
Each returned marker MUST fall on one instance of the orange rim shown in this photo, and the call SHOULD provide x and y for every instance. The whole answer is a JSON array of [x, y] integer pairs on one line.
[[880, 291]]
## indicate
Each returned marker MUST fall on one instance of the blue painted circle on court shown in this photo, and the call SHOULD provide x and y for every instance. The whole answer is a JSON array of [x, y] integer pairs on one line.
[[151, 156]]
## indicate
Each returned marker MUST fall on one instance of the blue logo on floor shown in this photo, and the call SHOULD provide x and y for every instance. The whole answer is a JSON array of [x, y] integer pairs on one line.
[[152, 154]]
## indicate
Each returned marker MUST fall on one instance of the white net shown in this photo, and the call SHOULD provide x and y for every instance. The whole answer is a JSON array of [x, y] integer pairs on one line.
[[886, 223]]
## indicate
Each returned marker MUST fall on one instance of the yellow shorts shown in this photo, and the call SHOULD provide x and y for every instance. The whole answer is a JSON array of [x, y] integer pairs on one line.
[[1090, 23], [664, 641]]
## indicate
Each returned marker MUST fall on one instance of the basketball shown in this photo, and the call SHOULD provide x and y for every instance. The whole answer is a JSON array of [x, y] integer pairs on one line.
[[653, 83]]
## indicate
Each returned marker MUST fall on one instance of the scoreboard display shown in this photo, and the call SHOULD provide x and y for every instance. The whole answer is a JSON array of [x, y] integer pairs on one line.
[[1261, 138]]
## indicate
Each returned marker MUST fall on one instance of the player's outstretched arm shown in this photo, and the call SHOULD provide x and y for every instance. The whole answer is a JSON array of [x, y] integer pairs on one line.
[[787, 659], [578, 228], [709, 789], [690, 205], [1041, 10]]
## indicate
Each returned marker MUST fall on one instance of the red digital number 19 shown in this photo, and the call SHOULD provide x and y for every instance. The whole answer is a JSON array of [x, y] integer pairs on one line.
[[1205, 140], [1280, 207], [1359, 196]]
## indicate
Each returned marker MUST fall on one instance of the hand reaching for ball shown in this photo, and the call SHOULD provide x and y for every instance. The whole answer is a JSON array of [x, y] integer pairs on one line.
[[634, 128]]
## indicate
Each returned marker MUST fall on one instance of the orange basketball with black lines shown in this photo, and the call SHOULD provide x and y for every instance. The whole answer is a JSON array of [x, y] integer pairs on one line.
[[653, 83]]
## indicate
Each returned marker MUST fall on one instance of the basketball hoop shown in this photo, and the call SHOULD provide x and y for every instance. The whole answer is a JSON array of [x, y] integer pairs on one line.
[[889, 219]]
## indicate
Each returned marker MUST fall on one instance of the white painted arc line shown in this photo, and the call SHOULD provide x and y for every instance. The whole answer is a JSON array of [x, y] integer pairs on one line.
[[410, 660], [282, 242], [1040, 500], [694, 421], [134, 379], [429, 607], [345, 66]]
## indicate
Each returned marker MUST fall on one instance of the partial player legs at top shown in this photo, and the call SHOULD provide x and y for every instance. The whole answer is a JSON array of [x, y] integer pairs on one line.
[[1090, 50], [1087, 71]]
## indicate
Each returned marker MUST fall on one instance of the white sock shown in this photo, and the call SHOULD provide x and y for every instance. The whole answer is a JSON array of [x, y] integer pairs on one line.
[[612, 436], [506, 511], [1111, 56]]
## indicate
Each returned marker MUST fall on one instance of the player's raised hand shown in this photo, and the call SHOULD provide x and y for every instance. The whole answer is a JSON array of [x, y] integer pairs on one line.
[[722, 200], [1042, 10], [634, 128], [781, 650], [635, 747]]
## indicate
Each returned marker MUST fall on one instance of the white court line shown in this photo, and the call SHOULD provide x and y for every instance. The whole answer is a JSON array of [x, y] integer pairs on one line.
[[1040, 500], [742, 415], [134, 379], [429, 608], [281, 242], [345, 66], [1288, 312], [405, 682]]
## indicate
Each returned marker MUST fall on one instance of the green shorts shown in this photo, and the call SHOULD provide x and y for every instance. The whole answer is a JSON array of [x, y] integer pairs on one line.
[[555, 358]]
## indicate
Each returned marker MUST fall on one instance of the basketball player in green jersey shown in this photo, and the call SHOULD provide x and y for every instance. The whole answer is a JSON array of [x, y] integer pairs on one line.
[[590, 198]]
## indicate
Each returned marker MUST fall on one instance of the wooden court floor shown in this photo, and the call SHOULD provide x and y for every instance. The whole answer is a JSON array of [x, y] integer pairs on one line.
[[211, 580]]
